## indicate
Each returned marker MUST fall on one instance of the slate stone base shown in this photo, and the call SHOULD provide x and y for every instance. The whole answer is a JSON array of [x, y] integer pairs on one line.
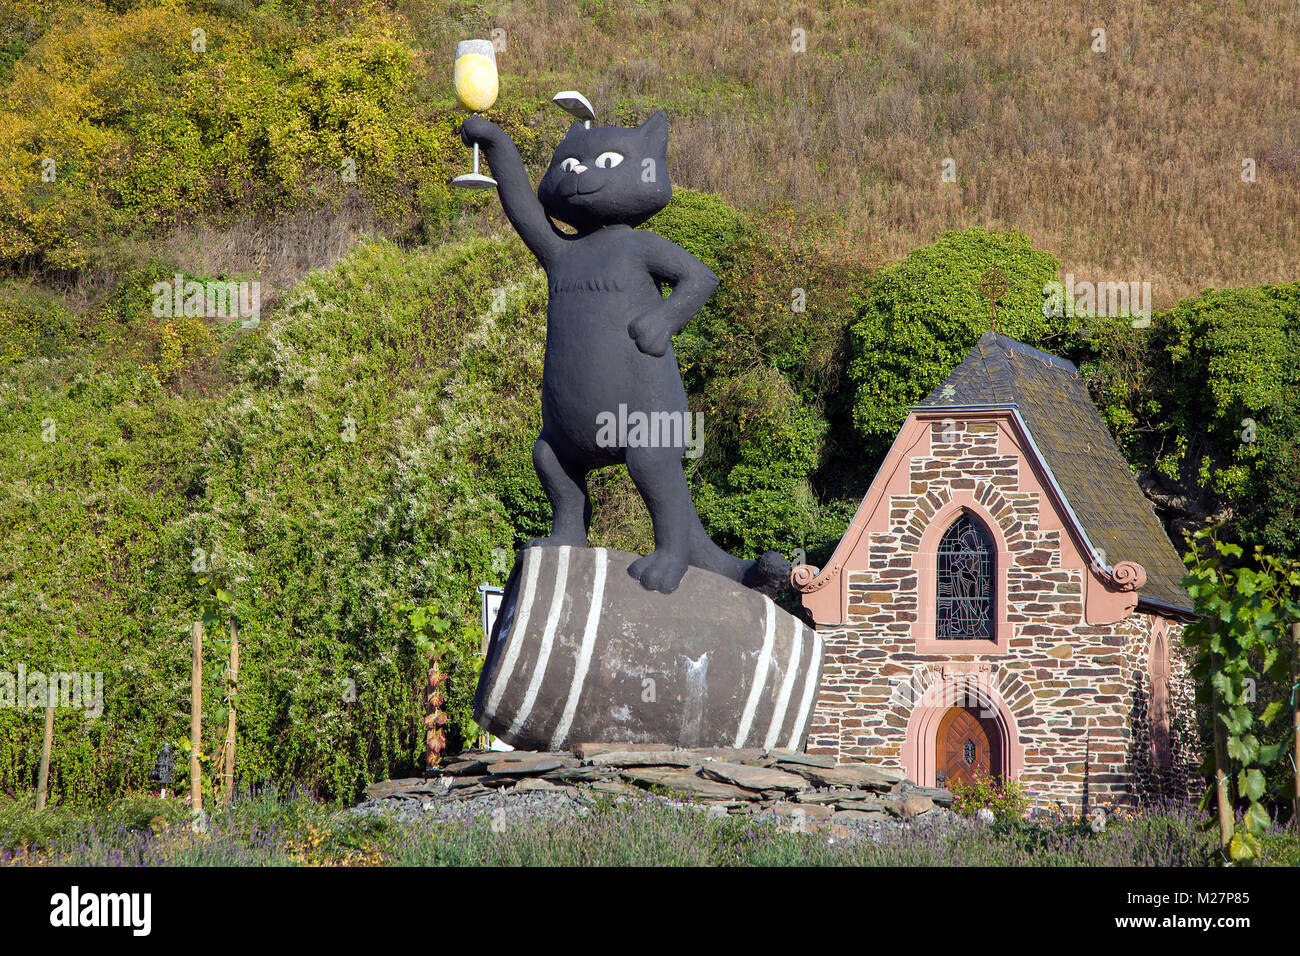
[[803, 791]]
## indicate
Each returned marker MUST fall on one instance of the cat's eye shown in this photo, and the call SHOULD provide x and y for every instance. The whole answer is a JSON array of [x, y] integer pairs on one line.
[[608, 160], [568, 164]]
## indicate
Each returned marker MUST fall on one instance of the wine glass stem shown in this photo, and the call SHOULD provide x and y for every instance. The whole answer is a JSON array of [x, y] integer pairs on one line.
[[475, 113]]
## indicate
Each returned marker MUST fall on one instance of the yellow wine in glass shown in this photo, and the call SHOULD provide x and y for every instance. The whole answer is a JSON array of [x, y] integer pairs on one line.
[[475, 82]]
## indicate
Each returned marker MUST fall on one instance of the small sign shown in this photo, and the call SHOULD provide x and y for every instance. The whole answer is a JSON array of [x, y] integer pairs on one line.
[[491, 607]]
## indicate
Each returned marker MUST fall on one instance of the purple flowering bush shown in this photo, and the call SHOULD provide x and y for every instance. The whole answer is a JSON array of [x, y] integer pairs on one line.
[[271, 828]]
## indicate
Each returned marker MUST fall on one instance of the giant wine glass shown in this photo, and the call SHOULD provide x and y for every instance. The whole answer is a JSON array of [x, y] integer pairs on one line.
[[475, 80]]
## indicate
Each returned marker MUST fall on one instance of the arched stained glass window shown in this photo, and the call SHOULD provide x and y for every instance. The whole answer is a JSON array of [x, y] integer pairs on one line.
[[965, 582]]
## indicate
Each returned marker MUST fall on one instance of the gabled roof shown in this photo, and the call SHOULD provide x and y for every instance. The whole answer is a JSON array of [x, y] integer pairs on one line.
[[1077, 449]]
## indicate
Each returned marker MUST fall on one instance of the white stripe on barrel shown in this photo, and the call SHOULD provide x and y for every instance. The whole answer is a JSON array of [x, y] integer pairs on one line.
[[515, 636], [760, 673], [809, 690], [548, 637], [584, 652], [787, 685]]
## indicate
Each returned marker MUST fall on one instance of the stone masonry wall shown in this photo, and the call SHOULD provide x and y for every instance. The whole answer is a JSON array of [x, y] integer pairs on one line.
[[1075, 691], [1180, 780]]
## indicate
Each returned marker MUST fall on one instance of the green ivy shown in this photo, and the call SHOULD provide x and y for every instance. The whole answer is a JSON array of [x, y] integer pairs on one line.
[[1207, 402]]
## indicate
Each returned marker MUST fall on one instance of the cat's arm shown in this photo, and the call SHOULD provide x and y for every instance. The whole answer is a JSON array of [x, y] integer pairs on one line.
[[692, 282], [518, 199]]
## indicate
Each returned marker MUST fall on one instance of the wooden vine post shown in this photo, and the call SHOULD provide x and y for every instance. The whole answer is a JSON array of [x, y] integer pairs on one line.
[[228, 776], [43, 778], [1222, 783], [1295, 722], [196, 717]]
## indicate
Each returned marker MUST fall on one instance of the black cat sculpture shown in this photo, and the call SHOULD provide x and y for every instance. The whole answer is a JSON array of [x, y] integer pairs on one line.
[[609, 337]]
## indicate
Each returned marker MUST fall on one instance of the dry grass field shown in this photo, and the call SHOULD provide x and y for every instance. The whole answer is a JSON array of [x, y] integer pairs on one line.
[[1125, 164]]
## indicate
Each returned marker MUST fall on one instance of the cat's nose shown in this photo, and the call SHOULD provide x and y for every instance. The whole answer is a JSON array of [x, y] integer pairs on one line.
[[578, 169]]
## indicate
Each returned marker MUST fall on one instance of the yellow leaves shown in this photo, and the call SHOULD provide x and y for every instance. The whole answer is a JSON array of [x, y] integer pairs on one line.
[[317, 847], [178, 344], [143, 130], [58, 100]]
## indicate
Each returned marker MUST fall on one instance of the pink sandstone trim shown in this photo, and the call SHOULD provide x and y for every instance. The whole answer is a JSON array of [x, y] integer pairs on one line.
[[825, 593], [920, 746], [1107, 598], [1111, 598], [925, 562], [1158, 690]]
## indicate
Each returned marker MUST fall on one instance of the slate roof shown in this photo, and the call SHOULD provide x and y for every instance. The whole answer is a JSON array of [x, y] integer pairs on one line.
[[1075, 444]]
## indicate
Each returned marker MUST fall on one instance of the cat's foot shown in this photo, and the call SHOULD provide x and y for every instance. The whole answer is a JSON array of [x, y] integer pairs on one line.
[[769, 575], [659, 571], [558, 541]]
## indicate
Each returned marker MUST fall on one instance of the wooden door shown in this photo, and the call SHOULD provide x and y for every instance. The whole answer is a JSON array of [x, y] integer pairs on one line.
[[967, 744]]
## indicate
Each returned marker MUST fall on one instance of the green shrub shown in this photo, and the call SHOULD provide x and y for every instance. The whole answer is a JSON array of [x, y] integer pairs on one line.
[[96, 458], [763, 500], [355, 472], [366, 456], [58, 824], [1207, 403], [701, 223], [142, 811], [22, 826], [1233, 359], [280, 108], [922, 315], [33, 323], [764, 362]]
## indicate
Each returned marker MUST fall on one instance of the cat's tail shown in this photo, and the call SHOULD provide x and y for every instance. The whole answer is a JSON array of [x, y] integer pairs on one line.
[[769, 575]]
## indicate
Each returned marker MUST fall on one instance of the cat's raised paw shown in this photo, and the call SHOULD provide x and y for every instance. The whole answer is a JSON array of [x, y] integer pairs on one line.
[[658, 571], [475, 129]]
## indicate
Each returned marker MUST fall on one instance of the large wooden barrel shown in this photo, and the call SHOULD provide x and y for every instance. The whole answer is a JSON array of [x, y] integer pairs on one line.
[[581, 652]]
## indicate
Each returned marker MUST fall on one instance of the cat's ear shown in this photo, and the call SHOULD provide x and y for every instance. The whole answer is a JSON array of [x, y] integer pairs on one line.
[[655, 131], [577, 127]]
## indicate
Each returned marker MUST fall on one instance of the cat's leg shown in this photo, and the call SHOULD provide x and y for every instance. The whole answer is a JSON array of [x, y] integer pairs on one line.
[[565, 484], [770, 574], [657, 474]]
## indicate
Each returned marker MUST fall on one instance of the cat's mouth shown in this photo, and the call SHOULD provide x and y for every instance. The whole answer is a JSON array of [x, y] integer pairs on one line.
[[585, 192]]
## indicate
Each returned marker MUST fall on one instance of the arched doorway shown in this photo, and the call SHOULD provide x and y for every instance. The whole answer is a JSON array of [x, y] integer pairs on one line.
[[923, 756], [967, 746]]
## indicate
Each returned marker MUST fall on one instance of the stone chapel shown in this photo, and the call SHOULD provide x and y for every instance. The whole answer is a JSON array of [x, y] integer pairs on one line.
[[1006, 601]]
